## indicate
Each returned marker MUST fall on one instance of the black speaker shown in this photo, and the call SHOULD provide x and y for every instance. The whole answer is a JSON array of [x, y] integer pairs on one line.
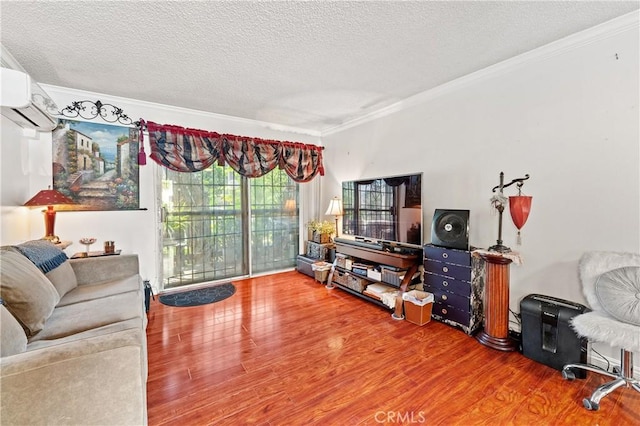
[[450, 229], [547, 336]]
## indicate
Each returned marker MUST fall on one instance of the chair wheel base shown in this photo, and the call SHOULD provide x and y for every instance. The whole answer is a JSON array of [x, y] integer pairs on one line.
[[568, 375], [590, 405]]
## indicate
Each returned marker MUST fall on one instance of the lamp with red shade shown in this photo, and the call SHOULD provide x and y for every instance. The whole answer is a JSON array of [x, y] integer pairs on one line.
[[49, 197], [519, 207]]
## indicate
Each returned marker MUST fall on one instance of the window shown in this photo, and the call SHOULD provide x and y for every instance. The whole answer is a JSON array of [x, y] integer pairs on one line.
[[211, 227]]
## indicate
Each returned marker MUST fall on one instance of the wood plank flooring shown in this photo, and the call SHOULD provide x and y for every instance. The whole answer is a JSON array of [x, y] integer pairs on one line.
[[284, 350]]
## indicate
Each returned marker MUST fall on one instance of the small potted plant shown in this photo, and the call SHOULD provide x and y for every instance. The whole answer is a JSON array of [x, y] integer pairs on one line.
[[320, 232]]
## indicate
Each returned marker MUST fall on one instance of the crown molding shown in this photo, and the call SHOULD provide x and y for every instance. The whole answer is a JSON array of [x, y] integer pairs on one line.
[[176, 110], [611, 28]]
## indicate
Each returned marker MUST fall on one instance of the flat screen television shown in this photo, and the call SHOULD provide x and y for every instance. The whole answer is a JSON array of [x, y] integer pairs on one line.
[[384, 210]]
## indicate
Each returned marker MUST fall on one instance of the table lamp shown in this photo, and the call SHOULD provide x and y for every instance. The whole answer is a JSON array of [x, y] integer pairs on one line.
[[335, 209], [290, 205], [49, 197]]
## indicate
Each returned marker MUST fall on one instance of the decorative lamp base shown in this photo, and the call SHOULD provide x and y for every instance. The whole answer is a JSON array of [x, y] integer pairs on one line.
[[505, 344], [500, 248]]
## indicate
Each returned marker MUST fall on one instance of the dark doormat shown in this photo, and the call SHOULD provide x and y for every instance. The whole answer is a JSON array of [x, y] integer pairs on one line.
[[200, 296]]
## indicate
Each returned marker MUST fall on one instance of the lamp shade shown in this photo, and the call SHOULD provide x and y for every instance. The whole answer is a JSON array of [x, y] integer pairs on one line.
[[335, 207], [48, 197], [520, 206]]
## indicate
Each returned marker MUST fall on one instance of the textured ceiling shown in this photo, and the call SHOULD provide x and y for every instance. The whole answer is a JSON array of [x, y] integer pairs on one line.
[[311, 65]]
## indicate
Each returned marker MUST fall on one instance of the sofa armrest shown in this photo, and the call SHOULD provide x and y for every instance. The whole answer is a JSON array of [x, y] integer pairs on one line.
[[86, 381], [94, 270]]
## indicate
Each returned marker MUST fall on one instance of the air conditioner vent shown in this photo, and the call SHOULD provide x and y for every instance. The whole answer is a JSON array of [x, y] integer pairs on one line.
[[24, 102]]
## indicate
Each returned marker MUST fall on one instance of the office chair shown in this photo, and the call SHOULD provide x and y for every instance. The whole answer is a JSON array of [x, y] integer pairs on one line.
[[611, 285]]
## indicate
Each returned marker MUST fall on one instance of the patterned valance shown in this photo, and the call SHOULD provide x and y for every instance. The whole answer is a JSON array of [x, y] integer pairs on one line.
[[192, 150]]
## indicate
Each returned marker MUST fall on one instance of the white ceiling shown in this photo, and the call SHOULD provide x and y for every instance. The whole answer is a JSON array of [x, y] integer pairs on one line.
[[312, 65]]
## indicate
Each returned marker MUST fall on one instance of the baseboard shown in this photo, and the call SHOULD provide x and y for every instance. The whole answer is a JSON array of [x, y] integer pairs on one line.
[[601, 361]]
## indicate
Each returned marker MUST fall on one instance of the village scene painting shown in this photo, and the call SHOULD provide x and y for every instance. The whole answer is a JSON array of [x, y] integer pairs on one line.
[[96, 165]]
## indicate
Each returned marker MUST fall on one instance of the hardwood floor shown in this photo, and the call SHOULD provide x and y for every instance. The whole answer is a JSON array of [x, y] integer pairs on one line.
[[284, 350]]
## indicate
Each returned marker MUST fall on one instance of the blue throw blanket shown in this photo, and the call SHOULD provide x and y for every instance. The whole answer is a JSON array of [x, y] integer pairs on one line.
[[43, 254]]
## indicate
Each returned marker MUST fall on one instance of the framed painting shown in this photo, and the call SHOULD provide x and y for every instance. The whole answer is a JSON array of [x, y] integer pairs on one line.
[[96, 165]]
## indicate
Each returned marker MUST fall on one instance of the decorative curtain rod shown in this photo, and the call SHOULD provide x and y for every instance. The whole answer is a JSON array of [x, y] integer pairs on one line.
[[110, 113], [90, 110]]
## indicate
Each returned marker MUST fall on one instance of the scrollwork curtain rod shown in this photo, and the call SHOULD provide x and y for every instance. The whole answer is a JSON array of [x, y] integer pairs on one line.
[[108, 112]]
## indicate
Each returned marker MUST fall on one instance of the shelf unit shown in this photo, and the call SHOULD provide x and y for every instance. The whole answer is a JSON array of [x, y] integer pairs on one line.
[[409, 262]]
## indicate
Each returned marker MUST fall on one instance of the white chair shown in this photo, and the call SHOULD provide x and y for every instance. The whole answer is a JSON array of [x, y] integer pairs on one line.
[[611, 285]]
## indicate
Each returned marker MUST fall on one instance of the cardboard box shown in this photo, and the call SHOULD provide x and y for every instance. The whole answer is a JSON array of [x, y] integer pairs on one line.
[[417, 306]]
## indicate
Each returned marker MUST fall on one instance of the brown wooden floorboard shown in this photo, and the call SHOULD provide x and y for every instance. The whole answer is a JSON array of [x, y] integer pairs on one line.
[[284, 350]]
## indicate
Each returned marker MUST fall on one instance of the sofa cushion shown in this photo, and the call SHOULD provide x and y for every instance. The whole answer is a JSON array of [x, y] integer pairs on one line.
[[26, 291], [12, 338], [79, 317], [63, 278], [618, 291], [83, 293]]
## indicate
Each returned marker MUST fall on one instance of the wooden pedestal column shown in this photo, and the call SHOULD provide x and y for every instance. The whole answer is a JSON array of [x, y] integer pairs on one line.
[[495, 333]]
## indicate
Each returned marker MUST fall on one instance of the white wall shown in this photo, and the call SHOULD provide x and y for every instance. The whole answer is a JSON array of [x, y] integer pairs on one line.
[[14, 181], [566, 114], [26, 168]]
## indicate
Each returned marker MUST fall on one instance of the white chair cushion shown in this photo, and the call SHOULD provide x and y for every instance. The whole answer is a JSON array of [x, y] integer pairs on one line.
[[618, 292], [595, 263], [600, 327]]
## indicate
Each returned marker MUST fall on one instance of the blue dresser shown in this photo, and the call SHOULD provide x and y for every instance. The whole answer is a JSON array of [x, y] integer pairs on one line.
[[456, 280]]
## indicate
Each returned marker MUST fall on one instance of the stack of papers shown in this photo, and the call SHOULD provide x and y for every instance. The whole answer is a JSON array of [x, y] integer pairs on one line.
[[384, 293]]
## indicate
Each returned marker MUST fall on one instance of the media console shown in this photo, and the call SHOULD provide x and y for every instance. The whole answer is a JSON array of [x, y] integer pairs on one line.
[[379, 257]]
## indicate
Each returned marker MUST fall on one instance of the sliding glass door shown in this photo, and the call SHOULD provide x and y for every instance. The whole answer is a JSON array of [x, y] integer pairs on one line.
[[219, 225]]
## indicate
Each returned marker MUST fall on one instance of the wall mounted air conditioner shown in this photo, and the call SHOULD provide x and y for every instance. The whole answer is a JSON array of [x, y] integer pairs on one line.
[[24, 102]]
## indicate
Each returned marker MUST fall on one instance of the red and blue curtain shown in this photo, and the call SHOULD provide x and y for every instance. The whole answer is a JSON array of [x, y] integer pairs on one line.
[[192, 150]]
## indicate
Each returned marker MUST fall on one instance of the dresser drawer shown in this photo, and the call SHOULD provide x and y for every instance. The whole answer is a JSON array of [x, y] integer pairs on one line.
[[458, 257], [451, 285], [451, 299], [445, 311], [448, 269]]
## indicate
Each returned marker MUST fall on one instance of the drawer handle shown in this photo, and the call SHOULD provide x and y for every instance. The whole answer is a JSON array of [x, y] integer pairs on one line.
[[445, 255], [444, 311], [444, 297], [445, 283], [445, 269]]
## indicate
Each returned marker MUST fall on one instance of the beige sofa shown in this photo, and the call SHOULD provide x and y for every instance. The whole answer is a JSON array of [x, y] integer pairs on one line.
[[73, 342]]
